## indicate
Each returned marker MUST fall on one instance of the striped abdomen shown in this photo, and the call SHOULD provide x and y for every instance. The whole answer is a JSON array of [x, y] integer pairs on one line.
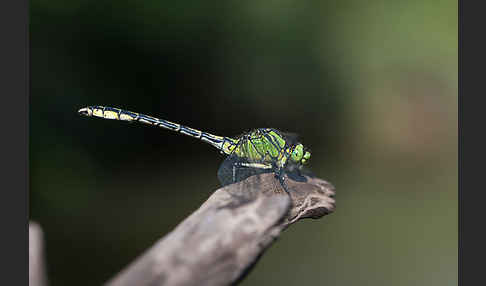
[[224, 144]]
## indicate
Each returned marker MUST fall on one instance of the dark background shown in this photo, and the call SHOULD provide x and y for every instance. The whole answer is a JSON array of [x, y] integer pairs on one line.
[[370, 86]]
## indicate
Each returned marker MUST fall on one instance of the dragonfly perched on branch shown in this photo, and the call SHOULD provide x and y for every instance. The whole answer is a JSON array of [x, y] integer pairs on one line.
[[259, 151]]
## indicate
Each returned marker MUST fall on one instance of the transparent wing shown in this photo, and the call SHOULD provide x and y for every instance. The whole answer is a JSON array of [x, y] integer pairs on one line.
[[233, 170], [297, 173], [290, 137]]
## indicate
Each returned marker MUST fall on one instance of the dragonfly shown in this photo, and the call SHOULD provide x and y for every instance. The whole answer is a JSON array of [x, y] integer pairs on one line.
[[262, 150]]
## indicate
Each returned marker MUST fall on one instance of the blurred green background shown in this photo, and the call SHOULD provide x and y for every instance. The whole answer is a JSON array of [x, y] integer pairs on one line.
[[371, 86]]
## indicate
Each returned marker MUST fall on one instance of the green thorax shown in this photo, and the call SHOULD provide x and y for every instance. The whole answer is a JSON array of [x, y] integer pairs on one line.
[[263, 145]]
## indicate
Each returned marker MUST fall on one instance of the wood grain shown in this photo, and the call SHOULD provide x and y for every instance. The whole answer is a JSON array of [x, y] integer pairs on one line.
[[220, 242]]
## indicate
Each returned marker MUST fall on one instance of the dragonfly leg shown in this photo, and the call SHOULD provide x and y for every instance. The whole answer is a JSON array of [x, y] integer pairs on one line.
[[281, 179], [279, 174]]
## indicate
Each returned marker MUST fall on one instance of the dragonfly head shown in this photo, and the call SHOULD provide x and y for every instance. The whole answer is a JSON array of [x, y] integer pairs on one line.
[[86, 111], [300, 155]]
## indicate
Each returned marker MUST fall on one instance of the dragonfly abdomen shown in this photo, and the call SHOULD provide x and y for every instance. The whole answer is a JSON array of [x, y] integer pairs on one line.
[[129, 116]]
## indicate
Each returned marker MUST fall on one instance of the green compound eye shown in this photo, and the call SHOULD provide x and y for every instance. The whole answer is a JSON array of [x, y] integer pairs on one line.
[[307, 155], [297, 153]]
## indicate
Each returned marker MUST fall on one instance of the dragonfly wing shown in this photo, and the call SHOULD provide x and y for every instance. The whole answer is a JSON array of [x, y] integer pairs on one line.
[[296, 172], [306, 171], [235, 169], [290, 137]]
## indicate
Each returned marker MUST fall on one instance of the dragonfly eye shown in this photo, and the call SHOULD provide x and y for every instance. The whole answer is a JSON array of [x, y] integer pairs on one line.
[[307, 155], [298, 153]]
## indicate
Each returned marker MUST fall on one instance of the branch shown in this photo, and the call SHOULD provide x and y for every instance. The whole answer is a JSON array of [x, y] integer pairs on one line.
[[220, 242], [37, 276]]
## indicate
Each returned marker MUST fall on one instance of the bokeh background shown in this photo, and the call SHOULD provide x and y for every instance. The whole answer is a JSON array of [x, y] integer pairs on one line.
[[371, 86]]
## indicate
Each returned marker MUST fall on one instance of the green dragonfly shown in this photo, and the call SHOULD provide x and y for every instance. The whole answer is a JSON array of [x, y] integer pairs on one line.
[[259, 151]]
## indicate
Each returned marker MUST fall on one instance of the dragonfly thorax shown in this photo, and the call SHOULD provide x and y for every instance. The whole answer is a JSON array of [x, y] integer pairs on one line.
[[268, 146]]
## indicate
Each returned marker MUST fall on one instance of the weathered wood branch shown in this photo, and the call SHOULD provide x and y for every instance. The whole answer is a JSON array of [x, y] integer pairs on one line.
[[37, 274], [223, 239], [220, 242]]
